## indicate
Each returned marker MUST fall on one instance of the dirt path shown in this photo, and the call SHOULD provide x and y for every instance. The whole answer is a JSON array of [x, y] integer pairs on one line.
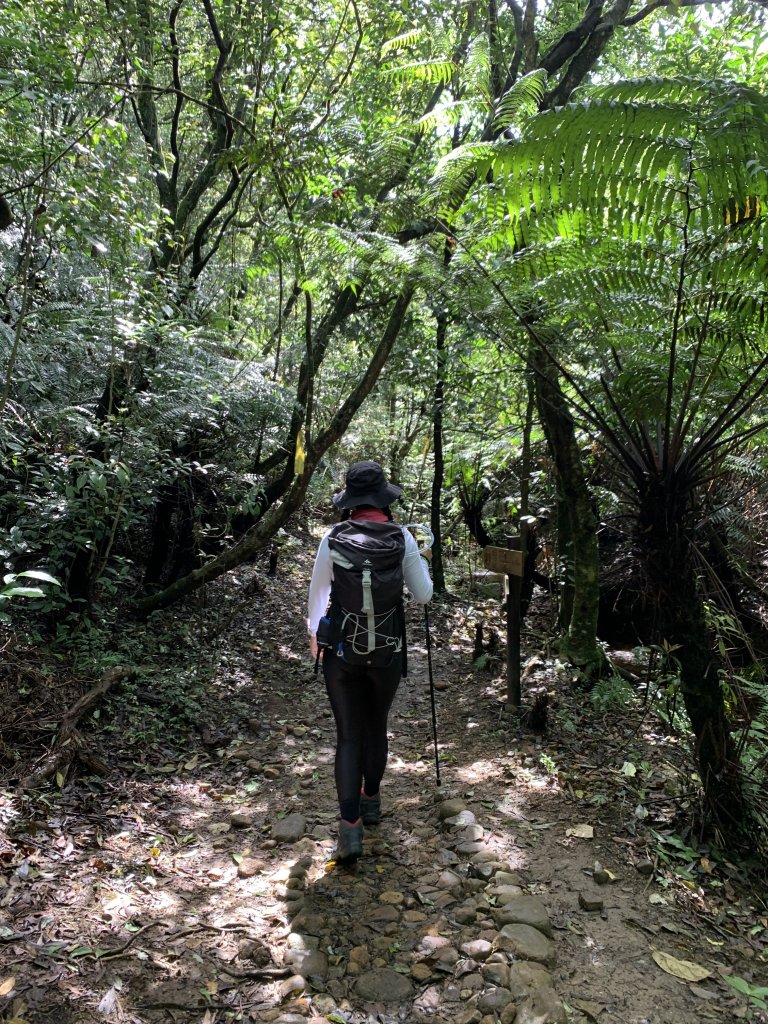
[[192, 884]]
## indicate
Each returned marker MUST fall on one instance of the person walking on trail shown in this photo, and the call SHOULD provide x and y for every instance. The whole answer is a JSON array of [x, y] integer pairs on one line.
[[356, 623]]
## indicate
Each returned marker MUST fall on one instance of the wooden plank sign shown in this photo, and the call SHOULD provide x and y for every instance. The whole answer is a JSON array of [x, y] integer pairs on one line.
[[503, 560]]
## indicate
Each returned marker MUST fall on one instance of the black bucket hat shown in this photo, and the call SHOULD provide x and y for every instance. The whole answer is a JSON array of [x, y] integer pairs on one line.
[[366, 485]]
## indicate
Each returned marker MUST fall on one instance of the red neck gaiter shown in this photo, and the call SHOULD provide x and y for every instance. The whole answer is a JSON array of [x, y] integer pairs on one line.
[[370, 515]]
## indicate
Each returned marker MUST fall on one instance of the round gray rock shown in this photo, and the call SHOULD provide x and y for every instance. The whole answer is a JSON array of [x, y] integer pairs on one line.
[[289, 829], [527, 943], [450, 808], [524, 979], [384, 986], [525, 910], [494, 1000], [542, 1007]]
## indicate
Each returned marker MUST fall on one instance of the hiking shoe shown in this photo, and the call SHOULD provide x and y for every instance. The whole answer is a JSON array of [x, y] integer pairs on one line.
[[350, 842], [370, 809]]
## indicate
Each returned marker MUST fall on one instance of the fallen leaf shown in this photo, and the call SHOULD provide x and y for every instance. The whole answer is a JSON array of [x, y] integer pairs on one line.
[[657, 900], [218, 827], [581, 832], [7, 986], [686, 970], [588, 1007], [108, 1002], [628, 769]]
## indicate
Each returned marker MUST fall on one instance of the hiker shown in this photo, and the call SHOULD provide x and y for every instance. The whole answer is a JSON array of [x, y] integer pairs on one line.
[[360, 613]]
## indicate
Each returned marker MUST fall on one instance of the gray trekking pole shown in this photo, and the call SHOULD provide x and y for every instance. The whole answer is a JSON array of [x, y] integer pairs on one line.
[[432, 691], [413, 527]]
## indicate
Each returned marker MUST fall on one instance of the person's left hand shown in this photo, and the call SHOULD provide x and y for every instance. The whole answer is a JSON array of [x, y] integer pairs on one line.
[[313, 646]]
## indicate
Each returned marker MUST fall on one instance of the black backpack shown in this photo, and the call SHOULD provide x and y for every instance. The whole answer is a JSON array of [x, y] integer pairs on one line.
[[367, 592]]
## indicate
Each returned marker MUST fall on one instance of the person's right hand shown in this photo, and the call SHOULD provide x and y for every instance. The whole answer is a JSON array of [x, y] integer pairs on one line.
[[426, 554], [313, 646]]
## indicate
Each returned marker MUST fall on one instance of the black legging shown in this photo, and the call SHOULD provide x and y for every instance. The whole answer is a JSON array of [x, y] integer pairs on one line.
[[360, 699]]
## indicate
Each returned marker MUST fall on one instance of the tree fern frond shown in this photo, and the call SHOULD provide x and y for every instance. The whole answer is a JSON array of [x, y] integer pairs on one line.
[[522, 98], [446, 115], [477, 67], [435, 72], [404, 40], [456, 171]]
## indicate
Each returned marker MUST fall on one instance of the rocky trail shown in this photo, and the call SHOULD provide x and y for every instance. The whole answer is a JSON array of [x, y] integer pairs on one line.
[[192, 881]]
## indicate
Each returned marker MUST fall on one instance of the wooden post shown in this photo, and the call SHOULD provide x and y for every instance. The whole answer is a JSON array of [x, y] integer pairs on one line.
[[510, 560]]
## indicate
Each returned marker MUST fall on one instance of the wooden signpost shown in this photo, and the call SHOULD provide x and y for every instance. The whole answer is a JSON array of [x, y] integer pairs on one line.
[[510, 561]]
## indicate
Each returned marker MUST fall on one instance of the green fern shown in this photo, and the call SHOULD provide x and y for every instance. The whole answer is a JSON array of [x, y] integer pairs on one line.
[[404, 41], [522, 98], [434, 72]]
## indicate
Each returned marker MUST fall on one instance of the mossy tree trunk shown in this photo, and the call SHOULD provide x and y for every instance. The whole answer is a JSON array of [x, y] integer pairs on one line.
[[576, 519], [438, 477], [667, 554]]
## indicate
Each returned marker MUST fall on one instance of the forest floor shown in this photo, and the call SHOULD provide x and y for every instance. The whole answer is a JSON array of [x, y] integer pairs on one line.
[[169, 886]]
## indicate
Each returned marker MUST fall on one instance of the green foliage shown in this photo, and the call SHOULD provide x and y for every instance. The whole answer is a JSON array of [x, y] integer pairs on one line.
[[11, 588], [610, 694]]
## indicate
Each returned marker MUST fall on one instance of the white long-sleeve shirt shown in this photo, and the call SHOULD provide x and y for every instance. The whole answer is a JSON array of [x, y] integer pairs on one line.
[[415, 573]]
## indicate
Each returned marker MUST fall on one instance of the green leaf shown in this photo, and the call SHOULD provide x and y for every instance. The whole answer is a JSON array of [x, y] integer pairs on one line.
[[37, 574]]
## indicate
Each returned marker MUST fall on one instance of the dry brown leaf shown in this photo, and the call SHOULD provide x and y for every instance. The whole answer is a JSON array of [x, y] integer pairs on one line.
[[7, 986], [581, 832], [686, 970]]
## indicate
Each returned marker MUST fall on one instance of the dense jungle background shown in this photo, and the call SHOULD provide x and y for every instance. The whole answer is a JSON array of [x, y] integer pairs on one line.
[[517, 253]]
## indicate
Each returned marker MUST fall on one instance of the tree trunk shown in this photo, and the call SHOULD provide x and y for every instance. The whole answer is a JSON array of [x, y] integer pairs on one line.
[[666, 551], [579, 548], [291, 484], [438, 575]]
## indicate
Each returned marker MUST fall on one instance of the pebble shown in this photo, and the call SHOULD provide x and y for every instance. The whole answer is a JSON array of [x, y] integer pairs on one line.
[[449, 880], [496, 973], [507, 878], [474, 885], [392, 896], [291, 985], [313, 965], [384, 913], [464, 817], [242, 819], [470, 847], [478, 949], [590, 903], [421, 972], [249, 867], [494, 1000], [465, 914], [504, 894]]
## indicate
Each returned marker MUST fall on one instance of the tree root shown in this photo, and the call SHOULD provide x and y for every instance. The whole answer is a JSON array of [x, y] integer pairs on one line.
[[70, 744]]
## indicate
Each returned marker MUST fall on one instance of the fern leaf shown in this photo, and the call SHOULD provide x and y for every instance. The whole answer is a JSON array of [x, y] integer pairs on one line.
[[523, 98], [403, 41], [434, 72]]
